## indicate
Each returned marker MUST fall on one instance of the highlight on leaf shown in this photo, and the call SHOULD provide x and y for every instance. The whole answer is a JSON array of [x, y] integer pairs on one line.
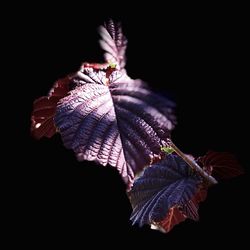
[[114, 43], [122, 124]]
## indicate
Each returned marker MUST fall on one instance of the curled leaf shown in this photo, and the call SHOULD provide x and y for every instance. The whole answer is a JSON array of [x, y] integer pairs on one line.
[[114, 43]]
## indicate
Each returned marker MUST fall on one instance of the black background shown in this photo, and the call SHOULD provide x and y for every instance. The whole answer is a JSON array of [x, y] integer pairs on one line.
[[193, 54]]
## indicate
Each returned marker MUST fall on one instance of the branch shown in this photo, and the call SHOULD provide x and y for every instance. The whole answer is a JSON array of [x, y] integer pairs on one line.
[[192, 164]]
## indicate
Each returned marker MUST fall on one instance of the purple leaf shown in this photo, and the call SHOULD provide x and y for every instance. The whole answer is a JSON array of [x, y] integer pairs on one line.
[[115, 120], [163, 186], [114, 43]]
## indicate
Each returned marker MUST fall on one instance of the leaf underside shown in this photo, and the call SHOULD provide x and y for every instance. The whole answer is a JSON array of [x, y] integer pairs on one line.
[[161, 190], [179, 213], [154, 204]]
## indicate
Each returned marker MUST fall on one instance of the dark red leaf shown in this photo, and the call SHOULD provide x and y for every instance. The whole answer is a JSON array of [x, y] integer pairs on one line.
[[179, 213], [222, 165], [174, 217], [190, 208], [44, 108]]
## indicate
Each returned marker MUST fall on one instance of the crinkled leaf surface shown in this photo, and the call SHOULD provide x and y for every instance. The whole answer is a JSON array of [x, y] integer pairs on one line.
[[109, 117], [163, 186], [121, 123], [106, 116]]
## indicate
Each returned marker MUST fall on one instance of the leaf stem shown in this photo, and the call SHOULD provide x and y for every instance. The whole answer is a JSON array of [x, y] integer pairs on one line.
[[192, 164]]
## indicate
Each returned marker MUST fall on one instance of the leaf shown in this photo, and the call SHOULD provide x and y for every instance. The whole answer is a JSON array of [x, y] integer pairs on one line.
[[114, 43], [146, 195], [222, 165], [44, 108], [114, 120], [162, 187]]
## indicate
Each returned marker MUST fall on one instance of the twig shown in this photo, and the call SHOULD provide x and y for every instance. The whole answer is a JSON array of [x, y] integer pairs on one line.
[[192, 164]]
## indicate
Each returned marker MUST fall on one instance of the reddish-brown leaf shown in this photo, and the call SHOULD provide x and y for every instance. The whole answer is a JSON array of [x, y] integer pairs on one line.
[[178, 214], [44, 108], [190, 208], [222, 165], [174, 217]]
